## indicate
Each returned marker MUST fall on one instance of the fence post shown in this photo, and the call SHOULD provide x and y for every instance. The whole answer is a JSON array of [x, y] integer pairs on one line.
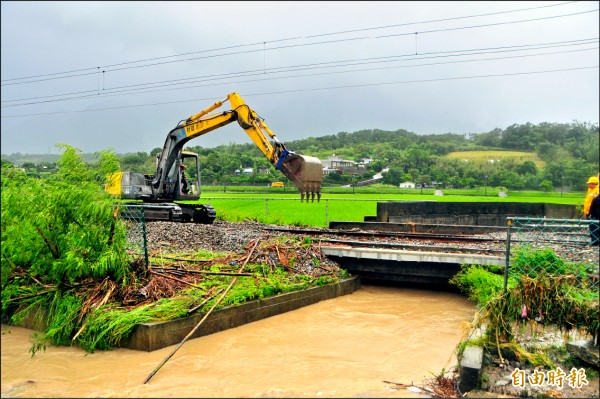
[[506, 265], [326, 213], [266, 207], [145, 237]]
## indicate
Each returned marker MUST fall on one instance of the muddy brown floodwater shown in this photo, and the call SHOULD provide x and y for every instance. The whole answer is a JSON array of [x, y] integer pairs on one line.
[[342, 347]]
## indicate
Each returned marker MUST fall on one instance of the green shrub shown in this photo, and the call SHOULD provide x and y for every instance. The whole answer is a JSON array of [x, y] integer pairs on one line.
[[480, 283], [541, 287]]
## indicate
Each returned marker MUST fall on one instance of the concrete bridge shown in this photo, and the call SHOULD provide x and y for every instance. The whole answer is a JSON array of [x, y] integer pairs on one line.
[[432, 216], [403, 266]]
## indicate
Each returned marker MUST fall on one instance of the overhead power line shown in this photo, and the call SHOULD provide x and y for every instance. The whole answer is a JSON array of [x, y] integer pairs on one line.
[[123, 65], [490, 24], [317, 89], [443, 19], [165, 85]]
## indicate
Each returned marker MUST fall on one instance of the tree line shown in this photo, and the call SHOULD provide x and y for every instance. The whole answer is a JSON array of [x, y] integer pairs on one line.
[[569, 151]]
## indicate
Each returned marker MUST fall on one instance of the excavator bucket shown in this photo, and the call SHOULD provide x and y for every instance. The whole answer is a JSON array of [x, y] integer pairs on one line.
[[307, 174]]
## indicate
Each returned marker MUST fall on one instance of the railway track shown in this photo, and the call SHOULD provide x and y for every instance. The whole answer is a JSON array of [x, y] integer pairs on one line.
[[431, 242], [233, 237], [383, 234], [415, 247]]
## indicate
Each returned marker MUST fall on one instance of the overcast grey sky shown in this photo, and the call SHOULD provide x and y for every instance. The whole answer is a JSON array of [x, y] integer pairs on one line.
[[121, 75]]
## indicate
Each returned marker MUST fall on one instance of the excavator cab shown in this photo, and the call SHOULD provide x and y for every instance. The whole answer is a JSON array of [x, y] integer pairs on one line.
[[188, 178]]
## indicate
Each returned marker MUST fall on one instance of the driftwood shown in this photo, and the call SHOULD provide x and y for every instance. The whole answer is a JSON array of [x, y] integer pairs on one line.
[[175, 278], [47, 292], [101, 303], [183, 271], [187, 260], [192, 310], [202, 320], [220, 273], [32, 295]]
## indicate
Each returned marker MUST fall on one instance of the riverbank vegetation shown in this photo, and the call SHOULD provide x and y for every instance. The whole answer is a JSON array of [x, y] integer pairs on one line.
[[542, 290], [65, 260]]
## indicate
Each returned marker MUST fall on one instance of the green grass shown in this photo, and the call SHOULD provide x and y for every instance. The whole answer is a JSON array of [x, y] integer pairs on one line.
[[292, 211], [286, 208], [388, 191]]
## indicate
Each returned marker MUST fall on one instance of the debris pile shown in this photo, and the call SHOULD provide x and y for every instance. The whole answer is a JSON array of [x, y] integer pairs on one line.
[[173, 274], [296, 258], [443, 385]]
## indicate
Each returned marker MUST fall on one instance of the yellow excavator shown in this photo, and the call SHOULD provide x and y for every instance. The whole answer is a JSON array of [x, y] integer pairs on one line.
[[170, 182]]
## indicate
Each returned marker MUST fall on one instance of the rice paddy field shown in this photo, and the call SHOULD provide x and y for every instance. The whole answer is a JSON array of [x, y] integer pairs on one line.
[[283, 206]]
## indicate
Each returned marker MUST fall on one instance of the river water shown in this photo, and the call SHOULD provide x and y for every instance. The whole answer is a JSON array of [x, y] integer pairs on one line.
[[342, 347]]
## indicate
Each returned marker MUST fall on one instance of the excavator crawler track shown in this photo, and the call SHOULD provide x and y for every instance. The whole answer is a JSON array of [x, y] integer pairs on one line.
[[203, 213]]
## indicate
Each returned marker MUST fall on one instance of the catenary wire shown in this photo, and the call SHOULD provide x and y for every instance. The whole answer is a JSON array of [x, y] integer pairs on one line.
[[133, 89], [316, 89], [96, 70]]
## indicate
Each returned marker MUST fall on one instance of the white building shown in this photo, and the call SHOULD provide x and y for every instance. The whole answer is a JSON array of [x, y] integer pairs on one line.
[[407, 184], [337, 163]]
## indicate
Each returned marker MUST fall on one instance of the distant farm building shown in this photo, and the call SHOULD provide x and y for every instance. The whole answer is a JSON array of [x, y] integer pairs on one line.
[[338, 164]]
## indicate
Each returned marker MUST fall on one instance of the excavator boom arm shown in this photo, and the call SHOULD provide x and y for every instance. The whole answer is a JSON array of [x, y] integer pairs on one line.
[[306, 172]]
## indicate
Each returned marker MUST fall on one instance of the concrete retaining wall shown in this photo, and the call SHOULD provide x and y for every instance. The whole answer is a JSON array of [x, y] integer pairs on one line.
[[153, 336], [469, 213]]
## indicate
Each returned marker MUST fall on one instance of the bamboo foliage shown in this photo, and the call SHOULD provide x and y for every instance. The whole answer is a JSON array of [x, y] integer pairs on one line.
[[59, 233]]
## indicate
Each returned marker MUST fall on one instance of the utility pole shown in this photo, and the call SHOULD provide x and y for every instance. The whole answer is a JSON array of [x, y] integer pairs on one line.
[[486, 184], [561, 185]]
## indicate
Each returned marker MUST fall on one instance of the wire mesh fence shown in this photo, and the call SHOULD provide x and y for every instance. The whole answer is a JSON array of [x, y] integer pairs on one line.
[[278, 210], [538, 246], [561, 246], [137, 241]]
